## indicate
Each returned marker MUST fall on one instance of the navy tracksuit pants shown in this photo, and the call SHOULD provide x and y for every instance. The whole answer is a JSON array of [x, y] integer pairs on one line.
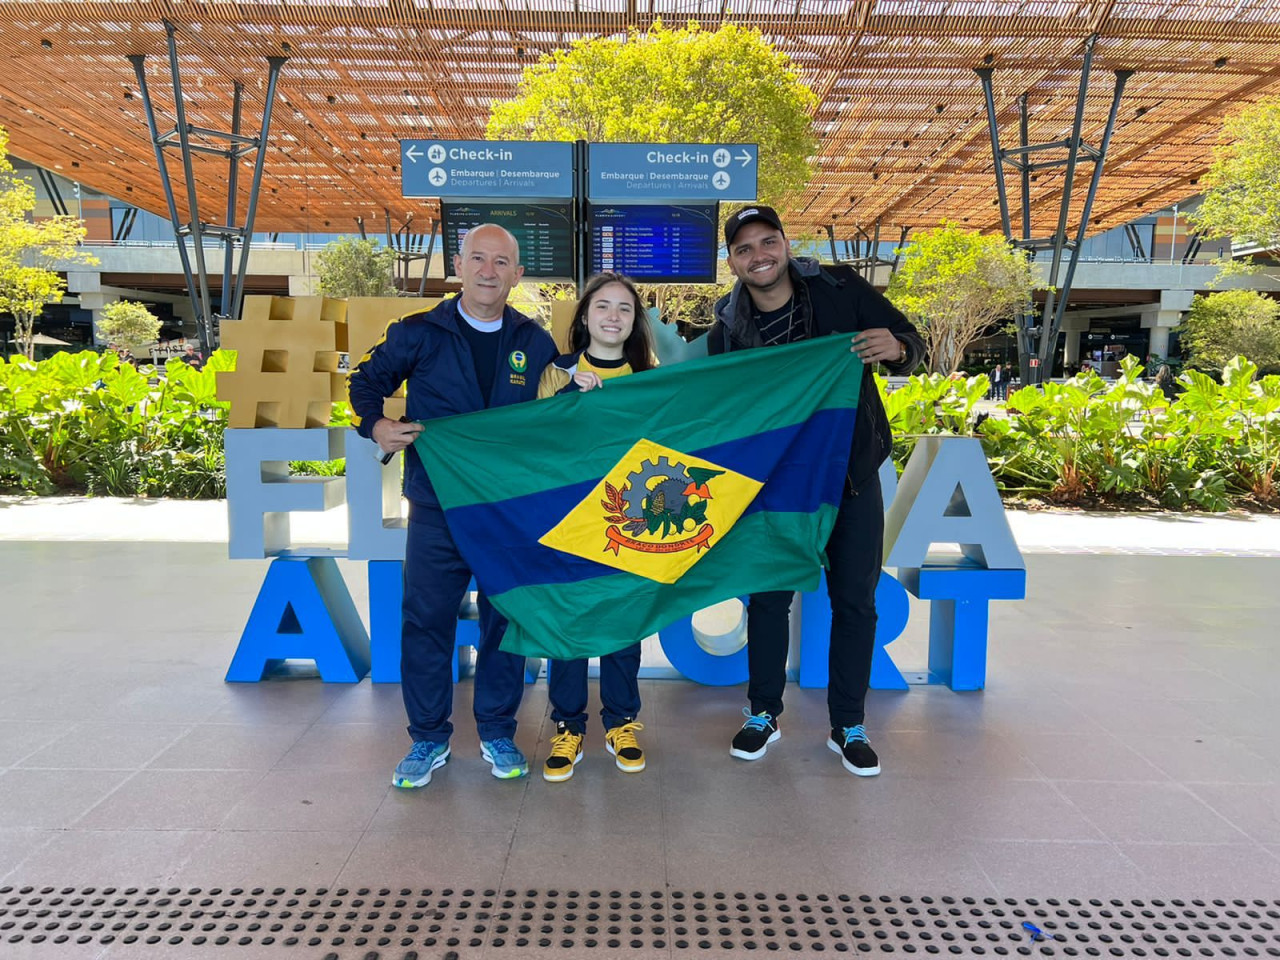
[[619, 690], [435, 580], [854, 554]]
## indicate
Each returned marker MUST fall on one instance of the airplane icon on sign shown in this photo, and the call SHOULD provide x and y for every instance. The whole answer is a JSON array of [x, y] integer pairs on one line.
[[437, 177]]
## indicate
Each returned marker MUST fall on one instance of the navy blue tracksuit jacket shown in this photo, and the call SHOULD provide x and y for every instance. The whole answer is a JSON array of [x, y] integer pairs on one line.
[[428, 351]]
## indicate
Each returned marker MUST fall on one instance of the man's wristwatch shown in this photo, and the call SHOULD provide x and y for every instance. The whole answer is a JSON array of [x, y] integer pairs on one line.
[[902, 352]]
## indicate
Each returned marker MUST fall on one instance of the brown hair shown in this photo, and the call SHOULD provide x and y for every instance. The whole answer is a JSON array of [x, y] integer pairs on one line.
[[638, 348]]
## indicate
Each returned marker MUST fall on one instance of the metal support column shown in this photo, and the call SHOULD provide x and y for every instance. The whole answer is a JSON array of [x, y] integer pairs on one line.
[[1038, 335], [182, 136]]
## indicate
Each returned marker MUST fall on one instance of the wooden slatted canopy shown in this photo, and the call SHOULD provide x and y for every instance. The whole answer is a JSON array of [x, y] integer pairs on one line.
[[903, 132]]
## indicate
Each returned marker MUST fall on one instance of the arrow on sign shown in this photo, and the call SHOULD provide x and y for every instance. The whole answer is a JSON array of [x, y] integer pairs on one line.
[[744, 157], [413, 154]]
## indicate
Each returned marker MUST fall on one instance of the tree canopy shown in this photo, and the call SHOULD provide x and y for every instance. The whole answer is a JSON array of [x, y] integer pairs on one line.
[[129, 324], [30, 250], [349, 267], [1233, 323], [1241, 200], [671, 86], [956, 284]]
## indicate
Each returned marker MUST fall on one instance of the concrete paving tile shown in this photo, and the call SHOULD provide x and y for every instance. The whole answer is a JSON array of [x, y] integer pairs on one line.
[[1126, 716], [722, 802], [861, 864], [17, 845], [1244, 715], [278, 701], [891, 807], [795, 863], [21, 738], [229, 746], [267, 858], [1206, 869], [542, 860], [1073, 756], [1149, 812], [167, 800], [108, 745], [1031, 868], [427, 859], [108, 857], [368, 702], [364, 747], [951, 754], [65, 951], [1253, 808], [463, 793], [52, 798], [1197, 756], [301, 800]]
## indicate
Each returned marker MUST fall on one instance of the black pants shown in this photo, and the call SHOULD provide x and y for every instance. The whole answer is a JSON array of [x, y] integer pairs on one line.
[[854, 553]]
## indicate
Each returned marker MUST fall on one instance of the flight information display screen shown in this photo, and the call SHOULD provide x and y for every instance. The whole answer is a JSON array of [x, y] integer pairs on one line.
[[657, 243], [544, 231]]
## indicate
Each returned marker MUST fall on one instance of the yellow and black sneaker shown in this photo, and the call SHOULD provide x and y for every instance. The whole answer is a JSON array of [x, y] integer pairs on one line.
[[566, 751], [621, 742]]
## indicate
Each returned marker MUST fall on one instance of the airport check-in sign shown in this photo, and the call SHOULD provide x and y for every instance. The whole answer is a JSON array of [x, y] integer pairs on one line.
[[485, 168], [662, 172]]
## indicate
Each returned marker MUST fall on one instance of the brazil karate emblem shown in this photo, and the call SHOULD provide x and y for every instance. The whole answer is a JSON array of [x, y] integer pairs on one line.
[[655, 514], [519, 362]]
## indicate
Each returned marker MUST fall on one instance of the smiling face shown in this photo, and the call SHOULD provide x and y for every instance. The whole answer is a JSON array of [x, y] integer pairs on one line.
[[489, 266], [610, 315], [758, 256]]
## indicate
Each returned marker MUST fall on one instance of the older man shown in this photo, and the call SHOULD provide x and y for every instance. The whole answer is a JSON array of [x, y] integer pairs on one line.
[[469, 353]]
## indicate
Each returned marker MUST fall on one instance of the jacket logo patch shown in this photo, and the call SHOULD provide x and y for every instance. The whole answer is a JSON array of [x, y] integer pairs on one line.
[[519, 362]]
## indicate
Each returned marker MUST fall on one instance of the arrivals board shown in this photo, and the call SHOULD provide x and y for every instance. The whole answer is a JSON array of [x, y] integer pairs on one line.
[[655, 243], [543, 230]]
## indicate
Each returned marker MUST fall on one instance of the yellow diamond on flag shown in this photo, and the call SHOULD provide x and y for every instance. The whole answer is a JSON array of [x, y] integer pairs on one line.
[[655, 514]]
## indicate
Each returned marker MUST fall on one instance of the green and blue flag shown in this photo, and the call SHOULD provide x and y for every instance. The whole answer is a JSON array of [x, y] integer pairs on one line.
[[592, 520]]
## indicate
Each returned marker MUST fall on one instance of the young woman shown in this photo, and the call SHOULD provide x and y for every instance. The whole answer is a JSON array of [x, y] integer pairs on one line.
[[609, 338]]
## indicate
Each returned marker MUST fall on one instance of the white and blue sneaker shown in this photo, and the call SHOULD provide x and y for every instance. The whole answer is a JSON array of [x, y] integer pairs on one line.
[[415, 769], [508, 762]]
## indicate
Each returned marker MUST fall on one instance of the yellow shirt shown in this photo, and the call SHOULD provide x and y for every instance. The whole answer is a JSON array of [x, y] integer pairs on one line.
[[555, 378]]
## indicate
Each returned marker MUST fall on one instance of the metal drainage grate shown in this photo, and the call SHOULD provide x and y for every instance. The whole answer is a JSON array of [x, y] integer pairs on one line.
[[409, 924]]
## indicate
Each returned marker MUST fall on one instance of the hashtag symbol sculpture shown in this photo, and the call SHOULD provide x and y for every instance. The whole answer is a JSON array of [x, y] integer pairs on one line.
[[287, 362], [367, 321]]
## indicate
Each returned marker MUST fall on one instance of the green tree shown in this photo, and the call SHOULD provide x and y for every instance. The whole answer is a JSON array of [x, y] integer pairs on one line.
[[351, 267], [1233, 323], [129, 324], [32, 251], [672, 86], [957, 284], [1241, 200]]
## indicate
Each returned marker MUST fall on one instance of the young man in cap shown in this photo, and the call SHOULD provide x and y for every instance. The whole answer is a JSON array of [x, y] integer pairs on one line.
[[781, 299]]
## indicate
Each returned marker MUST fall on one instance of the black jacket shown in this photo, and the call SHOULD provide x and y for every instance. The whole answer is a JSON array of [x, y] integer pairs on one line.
[[831, 299]]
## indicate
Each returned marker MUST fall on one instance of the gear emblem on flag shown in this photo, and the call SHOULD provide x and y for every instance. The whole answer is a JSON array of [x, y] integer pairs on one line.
[[660, 514]]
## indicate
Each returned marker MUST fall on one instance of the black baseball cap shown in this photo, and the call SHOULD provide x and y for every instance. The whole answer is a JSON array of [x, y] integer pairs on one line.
[[750, 215]]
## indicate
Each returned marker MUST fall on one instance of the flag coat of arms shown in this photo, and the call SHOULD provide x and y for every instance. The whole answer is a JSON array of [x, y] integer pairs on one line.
[[592, 520]]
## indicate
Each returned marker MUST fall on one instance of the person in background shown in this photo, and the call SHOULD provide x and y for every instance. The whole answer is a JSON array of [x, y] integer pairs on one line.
[[609, 338]]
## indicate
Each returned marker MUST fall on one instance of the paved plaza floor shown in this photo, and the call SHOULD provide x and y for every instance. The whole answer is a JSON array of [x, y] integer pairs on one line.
[[1124, 750]]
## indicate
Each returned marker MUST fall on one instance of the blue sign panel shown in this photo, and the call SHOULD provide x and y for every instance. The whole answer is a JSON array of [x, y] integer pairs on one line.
[[657, 243], [659, 172], [485, 169]]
